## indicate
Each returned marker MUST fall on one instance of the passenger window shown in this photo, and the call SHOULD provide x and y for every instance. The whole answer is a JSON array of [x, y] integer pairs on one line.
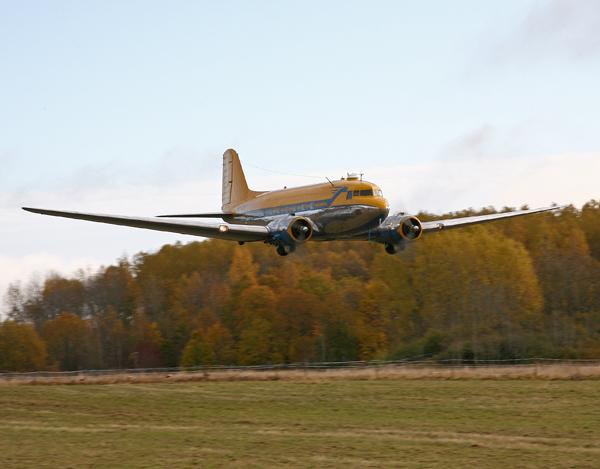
[[366, 192], [356, 192]]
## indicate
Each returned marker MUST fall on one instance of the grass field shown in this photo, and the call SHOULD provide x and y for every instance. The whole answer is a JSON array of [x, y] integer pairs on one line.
[[399, 423]]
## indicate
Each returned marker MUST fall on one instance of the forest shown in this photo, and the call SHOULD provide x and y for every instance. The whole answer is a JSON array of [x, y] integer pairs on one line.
[[527, 287]]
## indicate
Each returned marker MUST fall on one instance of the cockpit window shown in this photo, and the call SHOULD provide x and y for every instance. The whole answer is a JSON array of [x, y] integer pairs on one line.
[[366, 192]]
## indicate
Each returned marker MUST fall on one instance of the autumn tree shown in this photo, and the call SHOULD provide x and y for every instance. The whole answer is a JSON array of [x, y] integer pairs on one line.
[[21, 348], [480, 290], [60, 294], [68, 340], [113, 288], [211, 346], [113, 341], [590, 224], [147, 342], [511, 289]]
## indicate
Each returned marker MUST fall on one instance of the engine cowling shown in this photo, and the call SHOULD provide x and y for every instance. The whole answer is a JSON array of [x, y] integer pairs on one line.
[[291, 230], [410, 228], [398, 229], [300, 229]]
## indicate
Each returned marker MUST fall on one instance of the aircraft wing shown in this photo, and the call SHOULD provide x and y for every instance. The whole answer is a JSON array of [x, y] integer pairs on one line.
[[438, 225], [194, 228], [197, 215]]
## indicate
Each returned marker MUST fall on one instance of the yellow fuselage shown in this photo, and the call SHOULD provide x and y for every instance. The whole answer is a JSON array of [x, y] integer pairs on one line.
[[343, 208]]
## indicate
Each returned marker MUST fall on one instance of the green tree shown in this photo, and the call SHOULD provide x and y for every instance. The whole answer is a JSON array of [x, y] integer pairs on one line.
[[480, 289], [212, 346], [258, 343]]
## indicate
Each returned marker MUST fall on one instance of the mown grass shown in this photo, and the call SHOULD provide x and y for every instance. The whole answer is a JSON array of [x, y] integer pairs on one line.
[[399, 423]]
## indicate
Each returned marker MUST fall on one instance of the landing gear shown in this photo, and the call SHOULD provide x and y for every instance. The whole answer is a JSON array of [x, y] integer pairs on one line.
[[393, 248], [285, 249]]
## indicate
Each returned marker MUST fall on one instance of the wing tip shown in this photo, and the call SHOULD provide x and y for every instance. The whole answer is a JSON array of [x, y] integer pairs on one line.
[[40, 211]]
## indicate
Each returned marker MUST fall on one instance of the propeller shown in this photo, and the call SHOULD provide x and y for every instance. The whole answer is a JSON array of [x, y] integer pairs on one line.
[[411, 228], [300, 230]]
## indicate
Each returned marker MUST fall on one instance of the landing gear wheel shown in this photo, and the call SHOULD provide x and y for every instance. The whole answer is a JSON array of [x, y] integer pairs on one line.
[[391, 248], [284, 249]]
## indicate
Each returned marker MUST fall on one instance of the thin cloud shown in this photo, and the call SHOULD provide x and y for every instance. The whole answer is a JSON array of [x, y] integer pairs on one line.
[[448, 185], [556, 28], [474, 144], [107, 180]]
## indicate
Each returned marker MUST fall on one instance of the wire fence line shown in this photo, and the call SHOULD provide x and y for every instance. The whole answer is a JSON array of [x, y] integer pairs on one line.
[[316, 366]]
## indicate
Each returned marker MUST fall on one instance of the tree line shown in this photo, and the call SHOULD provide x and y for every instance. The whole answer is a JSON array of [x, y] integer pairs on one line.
[[518, 288]]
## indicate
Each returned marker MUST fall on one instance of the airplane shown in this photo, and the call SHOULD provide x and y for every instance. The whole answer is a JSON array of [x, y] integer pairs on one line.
[[345, 209]]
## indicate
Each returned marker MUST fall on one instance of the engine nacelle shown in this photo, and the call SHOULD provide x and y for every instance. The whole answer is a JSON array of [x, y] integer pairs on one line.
[[410, 228], [397, 229], [291, 230]]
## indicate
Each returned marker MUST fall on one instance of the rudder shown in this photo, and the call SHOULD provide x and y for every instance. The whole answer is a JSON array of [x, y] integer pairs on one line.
[[235, 188]]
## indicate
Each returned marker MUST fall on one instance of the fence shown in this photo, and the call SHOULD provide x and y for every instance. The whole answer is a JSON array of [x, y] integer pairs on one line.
[[415, 363]]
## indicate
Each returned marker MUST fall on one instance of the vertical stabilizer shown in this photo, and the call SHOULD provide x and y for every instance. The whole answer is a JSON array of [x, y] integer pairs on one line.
[[235, 188]]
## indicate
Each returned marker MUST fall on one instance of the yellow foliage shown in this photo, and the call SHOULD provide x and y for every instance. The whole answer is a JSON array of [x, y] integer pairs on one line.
[[21, 349]]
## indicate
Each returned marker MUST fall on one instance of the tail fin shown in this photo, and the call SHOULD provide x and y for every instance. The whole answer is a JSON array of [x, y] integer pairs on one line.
[[235, 188]]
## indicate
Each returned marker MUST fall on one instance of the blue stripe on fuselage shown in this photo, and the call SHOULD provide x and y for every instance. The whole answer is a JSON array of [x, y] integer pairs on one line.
[[298, 207]]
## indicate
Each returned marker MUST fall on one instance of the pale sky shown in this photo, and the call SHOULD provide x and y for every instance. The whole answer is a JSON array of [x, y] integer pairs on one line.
[[127, 106]]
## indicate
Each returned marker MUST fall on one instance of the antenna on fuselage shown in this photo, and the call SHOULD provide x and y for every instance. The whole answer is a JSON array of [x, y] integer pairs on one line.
[[332, 184]]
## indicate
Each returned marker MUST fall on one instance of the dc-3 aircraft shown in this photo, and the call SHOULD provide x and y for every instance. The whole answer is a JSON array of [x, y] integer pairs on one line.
[[350, 209]]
